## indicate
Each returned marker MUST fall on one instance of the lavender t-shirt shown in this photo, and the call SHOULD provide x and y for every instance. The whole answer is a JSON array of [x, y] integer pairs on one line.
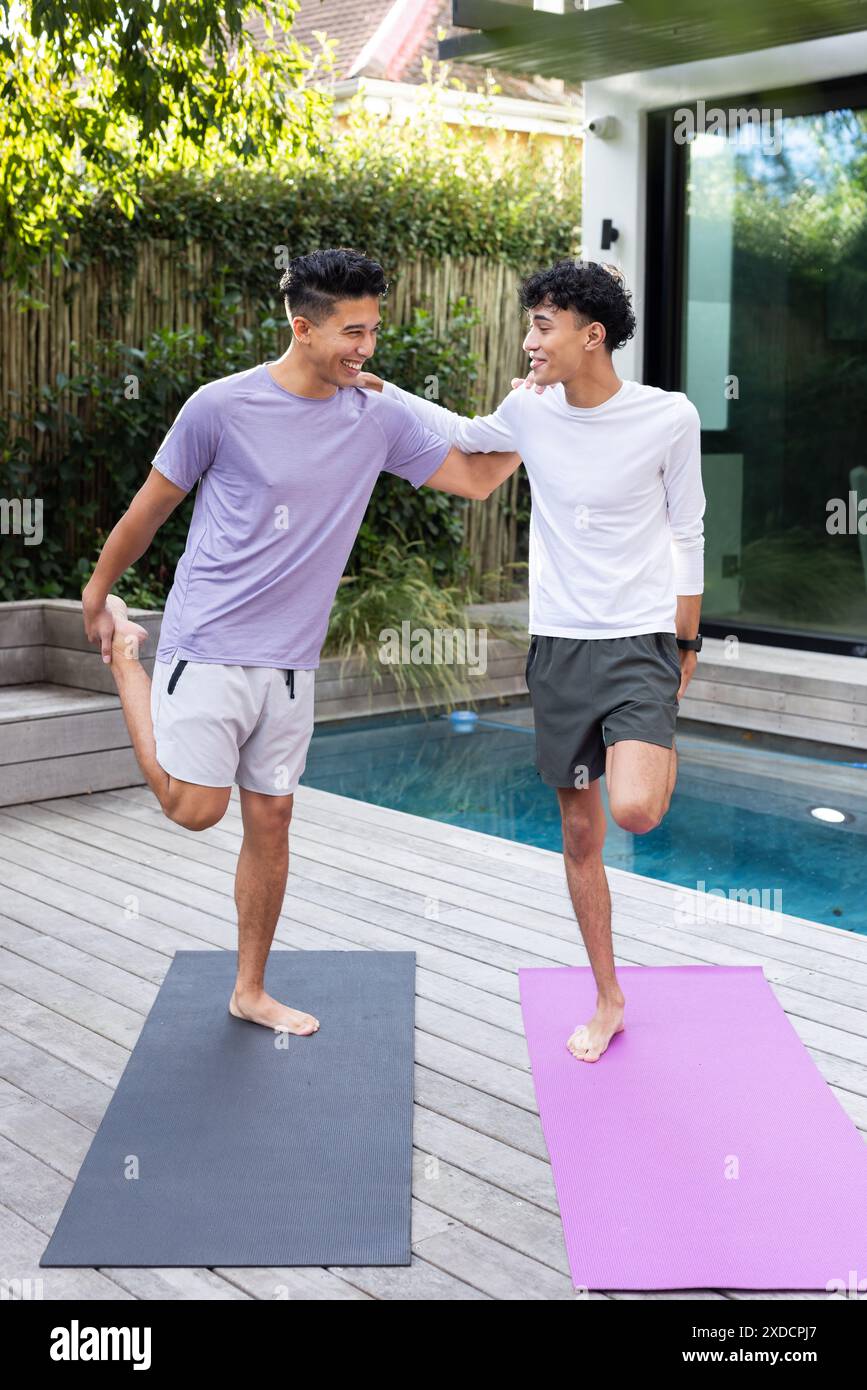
[[284, 482]]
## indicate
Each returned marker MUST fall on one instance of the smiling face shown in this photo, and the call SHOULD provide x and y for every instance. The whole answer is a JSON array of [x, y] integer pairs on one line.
[[559, 344], [338, 346]]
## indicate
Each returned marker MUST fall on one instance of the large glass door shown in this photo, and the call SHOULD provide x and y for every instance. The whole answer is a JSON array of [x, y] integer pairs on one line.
[[768, 337]]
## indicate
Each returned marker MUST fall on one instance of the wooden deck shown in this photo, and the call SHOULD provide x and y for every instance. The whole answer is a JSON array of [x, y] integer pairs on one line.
[[97, 892]]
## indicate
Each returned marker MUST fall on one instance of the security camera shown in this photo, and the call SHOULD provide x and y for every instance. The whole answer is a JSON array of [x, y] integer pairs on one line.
[[606, 127]]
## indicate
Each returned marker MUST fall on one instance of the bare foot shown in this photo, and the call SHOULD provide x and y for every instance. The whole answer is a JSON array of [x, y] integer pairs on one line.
[[127, 635], [259, 1007], [590, 1040]]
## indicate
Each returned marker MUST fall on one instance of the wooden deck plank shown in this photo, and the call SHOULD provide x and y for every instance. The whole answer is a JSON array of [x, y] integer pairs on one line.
[[22, 1245], [497, 1270], [35, 898], [25, 1064]]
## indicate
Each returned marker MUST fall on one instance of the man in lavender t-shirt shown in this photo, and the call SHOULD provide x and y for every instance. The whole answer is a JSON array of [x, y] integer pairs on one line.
[[284, 457]]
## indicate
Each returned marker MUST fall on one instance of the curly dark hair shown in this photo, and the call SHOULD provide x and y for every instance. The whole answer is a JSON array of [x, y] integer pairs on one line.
[[596, 293], [312, 284]]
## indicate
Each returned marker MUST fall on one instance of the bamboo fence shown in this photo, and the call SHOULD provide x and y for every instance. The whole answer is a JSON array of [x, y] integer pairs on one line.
[[168, 289]]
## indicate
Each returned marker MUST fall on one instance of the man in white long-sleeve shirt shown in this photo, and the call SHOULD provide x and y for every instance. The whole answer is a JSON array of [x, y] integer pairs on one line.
[[616, 577]]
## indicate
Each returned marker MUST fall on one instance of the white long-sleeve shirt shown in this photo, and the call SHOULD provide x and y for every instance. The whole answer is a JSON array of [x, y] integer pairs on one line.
[[616, 527]]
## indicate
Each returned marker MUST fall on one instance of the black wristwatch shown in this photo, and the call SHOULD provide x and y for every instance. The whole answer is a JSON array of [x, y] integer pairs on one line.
[[689, 644]]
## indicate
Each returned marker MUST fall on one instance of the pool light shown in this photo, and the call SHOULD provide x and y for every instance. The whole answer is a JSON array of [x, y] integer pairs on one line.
[[829, 814]]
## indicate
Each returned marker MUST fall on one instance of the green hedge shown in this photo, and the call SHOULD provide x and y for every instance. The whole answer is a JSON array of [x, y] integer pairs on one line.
[[392, 191]]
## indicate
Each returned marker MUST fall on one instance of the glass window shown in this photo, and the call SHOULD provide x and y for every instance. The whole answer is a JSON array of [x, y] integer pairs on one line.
[[774, 355]]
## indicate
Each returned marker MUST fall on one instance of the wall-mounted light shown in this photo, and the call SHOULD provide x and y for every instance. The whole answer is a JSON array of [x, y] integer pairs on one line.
[[610, 233]]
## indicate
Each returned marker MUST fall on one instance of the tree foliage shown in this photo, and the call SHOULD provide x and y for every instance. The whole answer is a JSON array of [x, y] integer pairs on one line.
[[96, 93]]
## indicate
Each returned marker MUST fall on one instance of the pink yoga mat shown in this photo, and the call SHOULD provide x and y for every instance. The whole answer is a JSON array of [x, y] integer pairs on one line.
[[704, 1150]]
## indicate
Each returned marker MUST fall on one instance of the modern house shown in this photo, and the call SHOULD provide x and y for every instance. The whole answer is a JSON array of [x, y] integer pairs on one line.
[[381, 52], [725, 171]]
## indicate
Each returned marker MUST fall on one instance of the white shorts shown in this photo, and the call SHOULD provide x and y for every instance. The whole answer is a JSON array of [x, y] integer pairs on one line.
[[215, 725]]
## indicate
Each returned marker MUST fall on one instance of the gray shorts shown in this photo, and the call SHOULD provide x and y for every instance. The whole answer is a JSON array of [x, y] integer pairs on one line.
[[215, 724], [589, 692]]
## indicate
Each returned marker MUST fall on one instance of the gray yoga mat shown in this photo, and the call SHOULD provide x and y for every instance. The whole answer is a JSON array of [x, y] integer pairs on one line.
[[248, 1151]]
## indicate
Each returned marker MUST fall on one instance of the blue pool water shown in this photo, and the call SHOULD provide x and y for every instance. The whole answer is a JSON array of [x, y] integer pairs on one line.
[[737, 822]]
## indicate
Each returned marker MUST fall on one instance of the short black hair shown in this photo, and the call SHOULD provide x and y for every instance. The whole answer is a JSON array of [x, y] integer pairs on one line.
[[596, 292], [312, 284]]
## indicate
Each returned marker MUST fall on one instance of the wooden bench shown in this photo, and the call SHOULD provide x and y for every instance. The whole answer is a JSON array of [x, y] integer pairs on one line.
[[62, 730]]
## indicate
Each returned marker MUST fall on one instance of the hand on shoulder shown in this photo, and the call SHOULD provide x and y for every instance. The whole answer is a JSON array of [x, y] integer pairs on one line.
[[527, 381], [369, 381]]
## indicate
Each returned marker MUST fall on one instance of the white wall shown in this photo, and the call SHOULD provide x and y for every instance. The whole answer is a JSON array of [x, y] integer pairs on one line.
[[614, 170], [613, 186]]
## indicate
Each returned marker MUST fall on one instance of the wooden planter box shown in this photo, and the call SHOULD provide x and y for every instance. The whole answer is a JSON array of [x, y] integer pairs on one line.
[[62, 731]]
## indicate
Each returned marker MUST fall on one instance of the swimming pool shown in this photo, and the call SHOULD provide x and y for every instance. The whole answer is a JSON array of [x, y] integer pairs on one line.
[[740, 819]]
